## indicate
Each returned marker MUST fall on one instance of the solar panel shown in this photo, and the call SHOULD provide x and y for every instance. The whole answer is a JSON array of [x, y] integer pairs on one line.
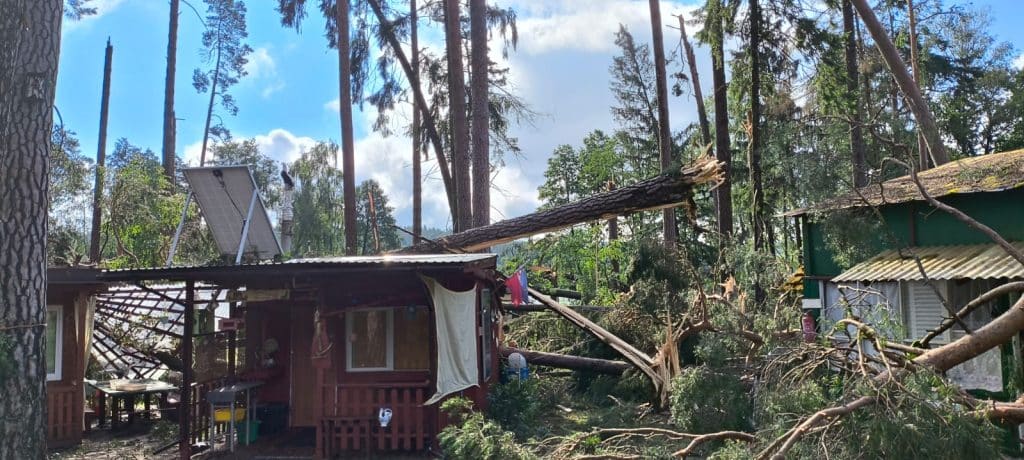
[[225, 195]]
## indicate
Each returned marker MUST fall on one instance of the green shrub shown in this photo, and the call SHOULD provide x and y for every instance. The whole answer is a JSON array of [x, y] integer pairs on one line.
[[473, 437], [518, 406], [705, 400]]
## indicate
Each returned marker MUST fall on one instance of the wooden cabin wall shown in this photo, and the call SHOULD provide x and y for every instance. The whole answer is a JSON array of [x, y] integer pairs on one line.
[[303, 375], [65, 397]]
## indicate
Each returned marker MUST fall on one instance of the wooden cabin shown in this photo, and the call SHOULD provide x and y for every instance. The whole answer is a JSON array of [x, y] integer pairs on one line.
[[70, 293], [336, 340]]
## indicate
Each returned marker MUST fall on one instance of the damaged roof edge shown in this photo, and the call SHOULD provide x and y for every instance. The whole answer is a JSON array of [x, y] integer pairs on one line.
[[322, 264]]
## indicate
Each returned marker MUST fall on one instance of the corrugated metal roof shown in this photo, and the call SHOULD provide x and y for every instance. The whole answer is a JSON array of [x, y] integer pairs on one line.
[[326, 262], [979, 261], [985, 173], [386, 259]]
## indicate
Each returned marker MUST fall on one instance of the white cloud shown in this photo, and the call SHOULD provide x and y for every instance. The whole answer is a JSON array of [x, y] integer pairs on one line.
[[279, 144], [262, 70], [102, 8], [333, 105], [562, 25], [1019, 62]]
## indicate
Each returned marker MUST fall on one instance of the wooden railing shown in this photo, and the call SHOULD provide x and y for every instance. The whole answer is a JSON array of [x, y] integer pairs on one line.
[[350, 418], [64, 417]]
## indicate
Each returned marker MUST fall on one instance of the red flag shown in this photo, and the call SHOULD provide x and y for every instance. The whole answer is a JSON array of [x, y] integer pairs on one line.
[[517, 289]]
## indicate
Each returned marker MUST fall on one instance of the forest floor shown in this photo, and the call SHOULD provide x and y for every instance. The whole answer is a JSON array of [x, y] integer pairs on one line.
[[137, 441]]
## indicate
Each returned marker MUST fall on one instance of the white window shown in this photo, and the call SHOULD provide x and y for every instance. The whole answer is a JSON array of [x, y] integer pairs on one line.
[[54, 345], [925, 309]]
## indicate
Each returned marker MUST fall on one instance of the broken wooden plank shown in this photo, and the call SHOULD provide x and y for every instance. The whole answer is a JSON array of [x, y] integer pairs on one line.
[[663, 191], [540, 358]]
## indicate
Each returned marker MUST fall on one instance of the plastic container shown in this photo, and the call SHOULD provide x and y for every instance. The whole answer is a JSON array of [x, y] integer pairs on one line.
[[248, 432], [224, 415]]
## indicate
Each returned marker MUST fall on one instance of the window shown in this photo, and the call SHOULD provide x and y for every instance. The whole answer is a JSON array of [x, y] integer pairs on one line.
[[386, 339], [54, 345]]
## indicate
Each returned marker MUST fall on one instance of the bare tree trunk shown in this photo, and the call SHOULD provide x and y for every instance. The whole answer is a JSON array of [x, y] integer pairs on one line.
[[209, 108], [540, 358], [698, 95], [668, 220], [479, 63], [101, 159], [348, 162], [428, 122], [169, 121], [417, 168], [857, 147], [723, 193], [922, 149], [757, 213], [30, 33], [911, 92], [462, 219]]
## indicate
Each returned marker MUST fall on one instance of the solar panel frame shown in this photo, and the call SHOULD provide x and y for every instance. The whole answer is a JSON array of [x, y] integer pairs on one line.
[[224, 202]]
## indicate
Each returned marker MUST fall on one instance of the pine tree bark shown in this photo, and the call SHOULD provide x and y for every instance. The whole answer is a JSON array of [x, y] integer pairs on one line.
[[417, 165], [757, 211], [723, 193], [30, 33], [169, 121], [348, 162], [917, 103], [922, 149], [698, 95], [462, 219], [668, 219], [479, 63], [101, 159], [858, 149]]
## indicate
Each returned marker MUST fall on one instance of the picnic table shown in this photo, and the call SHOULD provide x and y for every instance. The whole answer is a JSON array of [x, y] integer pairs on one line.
[[123, 394]]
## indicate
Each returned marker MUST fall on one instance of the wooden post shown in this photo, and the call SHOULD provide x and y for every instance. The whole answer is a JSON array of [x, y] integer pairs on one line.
[[185, 407]]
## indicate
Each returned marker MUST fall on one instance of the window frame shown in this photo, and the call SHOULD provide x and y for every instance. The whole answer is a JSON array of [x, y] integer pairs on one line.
[[58, 353], [390, 341]]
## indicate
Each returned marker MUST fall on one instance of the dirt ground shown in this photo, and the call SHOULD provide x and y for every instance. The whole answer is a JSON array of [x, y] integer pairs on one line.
[[137, 441]]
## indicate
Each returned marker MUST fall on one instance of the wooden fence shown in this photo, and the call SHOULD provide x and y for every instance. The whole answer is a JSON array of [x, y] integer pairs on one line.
[[349, 420]]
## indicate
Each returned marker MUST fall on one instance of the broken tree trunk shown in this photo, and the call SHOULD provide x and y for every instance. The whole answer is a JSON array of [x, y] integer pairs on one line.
[[635, 357], [530, 308], [603, 366], [659, 192]]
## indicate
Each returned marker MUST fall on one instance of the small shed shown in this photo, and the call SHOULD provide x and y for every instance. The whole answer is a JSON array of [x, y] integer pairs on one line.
[[334, 341], [70, 297], [884, 282]]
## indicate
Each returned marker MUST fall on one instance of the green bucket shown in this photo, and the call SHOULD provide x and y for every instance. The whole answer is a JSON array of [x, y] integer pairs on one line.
[[248, 431]]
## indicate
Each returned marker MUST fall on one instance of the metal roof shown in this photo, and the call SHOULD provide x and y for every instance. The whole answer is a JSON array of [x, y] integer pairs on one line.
[[353, 263], [994, 172], [979, 261]]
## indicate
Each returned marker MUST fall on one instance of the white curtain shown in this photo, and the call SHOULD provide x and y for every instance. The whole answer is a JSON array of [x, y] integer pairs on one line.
[[455, 320]]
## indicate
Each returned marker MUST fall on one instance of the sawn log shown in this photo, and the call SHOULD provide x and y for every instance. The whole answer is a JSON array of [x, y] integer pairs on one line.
[[603, 366]]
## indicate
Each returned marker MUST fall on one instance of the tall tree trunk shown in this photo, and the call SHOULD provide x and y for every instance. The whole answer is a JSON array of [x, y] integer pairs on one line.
[[479, 63], [417, 168], [911, 92], [169, 121], [722, 152], [30, 33], [348, 162], [463, 217], [209, 108], [757, 213], [922, 149], [668, 220], [857, 148], [698, 95], [101, 159], [427, 122]]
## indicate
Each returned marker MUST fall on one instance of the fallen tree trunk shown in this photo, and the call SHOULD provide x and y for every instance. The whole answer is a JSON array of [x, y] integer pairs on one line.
[[535, 307], [579, 363], [664, 191]]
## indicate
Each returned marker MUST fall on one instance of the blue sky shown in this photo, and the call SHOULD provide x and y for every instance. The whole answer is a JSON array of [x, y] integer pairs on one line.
[[285, 103]]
